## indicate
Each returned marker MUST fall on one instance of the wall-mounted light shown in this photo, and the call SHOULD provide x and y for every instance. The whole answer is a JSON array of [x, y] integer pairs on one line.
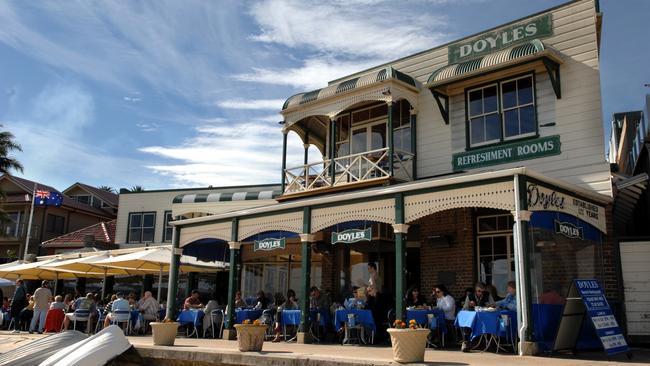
[[443, 239]]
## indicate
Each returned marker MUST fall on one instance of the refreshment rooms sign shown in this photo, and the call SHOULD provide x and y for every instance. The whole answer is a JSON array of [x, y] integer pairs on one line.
[[485, 43]]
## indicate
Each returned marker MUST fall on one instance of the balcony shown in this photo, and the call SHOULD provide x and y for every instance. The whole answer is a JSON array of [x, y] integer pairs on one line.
[[365, 168], [13, 232]]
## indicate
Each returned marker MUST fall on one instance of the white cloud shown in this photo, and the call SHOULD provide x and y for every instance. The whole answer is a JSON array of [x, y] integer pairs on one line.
[[246, 153], [148, 127], [273, 104], [362, 29], [314, 74]]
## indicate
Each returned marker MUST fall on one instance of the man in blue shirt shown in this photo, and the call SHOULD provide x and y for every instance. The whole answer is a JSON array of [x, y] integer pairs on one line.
[[510, 301], [119, 304]]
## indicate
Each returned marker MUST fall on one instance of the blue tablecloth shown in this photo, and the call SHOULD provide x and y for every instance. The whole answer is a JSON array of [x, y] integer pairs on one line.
[[484, 322], [290, 317], [250, 314], [362, 317], [547, 319], [421, 317], [190, 317], [324, 316], [135, 314]]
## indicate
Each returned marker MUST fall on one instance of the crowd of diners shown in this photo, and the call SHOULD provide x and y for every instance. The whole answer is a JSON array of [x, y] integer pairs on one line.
[[27, 312]]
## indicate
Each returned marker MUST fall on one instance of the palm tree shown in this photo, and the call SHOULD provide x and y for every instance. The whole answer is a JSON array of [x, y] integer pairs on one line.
[[137, 189], [8, 163], [106, 189]]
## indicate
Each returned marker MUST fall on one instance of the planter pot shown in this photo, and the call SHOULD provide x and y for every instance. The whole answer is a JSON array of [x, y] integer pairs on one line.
[[250, 337], [408, 344], [164, 334]]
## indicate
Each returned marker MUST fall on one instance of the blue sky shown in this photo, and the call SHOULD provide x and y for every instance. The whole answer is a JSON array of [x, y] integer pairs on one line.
[[176, 94]]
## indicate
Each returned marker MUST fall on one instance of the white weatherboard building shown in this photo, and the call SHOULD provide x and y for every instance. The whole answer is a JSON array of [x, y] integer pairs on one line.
[[481, 159]]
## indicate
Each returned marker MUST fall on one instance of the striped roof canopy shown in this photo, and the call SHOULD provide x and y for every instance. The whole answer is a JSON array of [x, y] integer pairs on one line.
[[518, 54], [223, 197], [348, 85]]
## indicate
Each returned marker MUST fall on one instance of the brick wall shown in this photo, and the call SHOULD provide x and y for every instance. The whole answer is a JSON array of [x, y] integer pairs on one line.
[[436, 256]]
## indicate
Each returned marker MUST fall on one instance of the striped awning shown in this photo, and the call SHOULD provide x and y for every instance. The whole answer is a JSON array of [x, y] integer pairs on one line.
[[384, 74], [518, 54], [223, 197]]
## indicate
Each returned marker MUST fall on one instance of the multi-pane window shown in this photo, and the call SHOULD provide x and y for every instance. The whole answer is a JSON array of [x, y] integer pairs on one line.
[[12, 227], [402, 126], [141, 227], [55, 224], [495, 250], [82, 198], [501, 111], [167, 233]]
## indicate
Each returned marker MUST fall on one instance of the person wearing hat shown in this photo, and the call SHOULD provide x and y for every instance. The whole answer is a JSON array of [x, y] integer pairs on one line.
[[42, 298]]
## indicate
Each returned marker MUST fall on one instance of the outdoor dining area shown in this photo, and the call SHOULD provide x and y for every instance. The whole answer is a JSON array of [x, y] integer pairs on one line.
[[94, 309]]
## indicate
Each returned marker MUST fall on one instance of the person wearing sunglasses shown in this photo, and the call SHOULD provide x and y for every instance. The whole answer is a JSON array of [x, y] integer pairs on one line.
[[413, 297], [445, 302]]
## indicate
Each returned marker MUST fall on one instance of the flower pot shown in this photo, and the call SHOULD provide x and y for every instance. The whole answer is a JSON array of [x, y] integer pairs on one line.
[[164, 334], [408, 344], [250, 337]]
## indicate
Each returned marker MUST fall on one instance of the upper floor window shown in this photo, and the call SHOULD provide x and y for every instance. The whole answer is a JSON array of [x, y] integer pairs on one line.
[[55, 224], [501, 111], [167, 231], [82, 198], [402, 126], [141, 227], [11, 228]]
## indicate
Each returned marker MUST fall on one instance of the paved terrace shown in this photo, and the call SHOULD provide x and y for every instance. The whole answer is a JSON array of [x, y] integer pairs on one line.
[[208, 352]]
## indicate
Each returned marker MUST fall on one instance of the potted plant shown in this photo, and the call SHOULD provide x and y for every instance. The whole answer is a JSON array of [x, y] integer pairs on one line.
[[250, 336], [164, 333], [408, 343]]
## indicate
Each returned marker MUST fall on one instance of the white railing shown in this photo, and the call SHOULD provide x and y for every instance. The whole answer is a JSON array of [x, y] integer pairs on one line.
[[349, 169]]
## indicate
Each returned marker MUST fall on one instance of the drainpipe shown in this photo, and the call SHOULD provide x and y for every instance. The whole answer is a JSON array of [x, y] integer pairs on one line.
[[522, 265]]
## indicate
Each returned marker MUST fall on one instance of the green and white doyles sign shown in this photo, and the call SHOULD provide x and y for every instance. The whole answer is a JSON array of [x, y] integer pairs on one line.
[[352, 236], [506, 153], [485, 43], [269, 244]]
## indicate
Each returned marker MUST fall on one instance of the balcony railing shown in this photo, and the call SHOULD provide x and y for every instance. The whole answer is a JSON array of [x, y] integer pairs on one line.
[[11, 231], [349, 169]]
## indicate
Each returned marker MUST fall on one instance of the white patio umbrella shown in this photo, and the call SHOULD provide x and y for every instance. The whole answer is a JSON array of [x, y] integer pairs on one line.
[[33, 271], [158, 259]]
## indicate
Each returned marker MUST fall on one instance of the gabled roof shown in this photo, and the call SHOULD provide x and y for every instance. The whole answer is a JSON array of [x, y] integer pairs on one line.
[[28, 185], [108, 197], [103, 232]]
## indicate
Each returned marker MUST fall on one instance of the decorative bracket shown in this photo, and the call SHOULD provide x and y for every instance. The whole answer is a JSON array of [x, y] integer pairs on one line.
[[234, 245], [443, 104], [553, 69]]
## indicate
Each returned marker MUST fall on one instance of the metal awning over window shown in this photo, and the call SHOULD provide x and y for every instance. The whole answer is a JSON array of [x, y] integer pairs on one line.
[[527, 52], [223, 197], [348, 85]]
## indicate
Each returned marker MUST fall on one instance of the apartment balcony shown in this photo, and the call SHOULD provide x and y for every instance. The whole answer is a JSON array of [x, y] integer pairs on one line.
[[15, 232], [362, 169]]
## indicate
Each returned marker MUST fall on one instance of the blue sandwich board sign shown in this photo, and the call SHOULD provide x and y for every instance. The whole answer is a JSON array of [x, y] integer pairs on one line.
[[586, 299], [601, 316]]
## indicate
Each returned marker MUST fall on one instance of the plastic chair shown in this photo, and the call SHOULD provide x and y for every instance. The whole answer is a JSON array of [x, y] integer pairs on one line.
[[81, 315], [120, 317], [54, 320], [216, 318]]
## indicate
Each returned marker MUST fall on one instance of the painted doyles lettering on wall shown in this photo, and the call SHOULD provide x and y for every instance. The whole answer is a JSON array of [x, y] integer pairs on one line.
[[485, 43], [544, 199], [506, 153]]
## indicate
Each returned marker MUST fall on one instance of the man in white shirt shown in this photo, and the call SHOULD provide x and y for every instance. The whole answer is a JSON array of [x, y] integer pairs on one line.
[[148, 306], [42, 298]]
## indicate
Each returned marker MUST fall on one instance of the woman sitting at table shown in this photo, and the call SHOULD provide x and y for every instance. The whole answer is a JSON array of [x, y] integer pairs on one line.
[[262, 301], [413, 297], [445, 302], [510, 301], [239, 301], [355, 302], [291, 303]]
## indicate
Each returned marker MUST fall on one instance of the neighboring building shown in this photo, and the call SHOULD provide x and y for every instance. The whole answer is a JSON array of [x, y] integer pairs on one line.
[[93, 196], [48, 222], [432, 166], [630, 159], [100, 236]]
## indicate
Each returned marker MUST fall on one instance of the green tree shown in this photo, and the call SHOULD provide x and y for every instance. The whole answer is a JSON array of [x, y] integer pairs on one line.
[[107, 189], [7, 162], [137, 189]]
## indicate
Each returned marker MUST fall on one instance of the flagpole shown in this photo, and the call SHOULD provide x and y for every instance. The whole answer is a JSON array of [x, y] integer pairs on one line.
[[29, 225]]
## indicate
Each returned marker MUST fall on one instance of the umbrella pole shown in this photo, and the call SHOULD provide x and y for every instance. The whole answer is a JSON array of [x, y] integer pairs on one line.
[[160, 281], [104, 284], [56, 283]]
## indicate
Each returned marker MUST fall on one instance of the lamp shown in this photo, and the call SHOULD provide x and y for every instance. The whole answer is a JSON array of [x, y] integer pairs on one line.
[[443, 239]]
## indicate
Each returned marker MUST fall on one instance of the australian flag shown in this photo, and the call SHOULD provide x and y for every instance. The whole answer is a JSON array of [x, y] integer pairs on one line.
[[47, 198]]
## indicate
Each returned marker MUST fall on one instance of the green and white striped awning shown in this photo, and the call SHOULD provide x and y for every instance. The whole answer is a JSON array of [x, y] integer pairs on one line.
[[223, 197], [514, 55], [382, 75]]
